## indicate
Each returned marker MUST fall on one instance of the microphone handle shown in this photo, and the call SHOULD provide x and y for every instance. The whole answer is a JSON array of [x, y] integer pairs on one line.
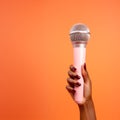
[[79, 60]]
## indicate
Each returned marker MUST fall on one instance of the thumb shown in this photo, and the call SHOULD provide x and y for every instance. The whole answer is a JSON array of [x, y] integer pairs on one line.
[[84, 73]]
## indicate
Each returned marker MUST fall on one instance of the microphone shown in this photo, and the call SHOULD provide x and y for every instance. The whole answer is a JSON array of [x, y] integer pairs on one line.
[[79, 35]]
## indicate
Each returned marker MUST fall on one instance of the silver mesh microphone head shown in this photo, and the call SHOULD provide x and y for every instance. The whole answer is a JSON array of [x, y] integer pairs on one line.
[[79, 33]]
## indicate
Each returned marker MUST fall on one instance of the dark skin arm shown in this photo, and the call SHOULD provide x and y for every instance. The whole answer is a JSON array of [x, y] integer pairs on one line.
[[86, 107]]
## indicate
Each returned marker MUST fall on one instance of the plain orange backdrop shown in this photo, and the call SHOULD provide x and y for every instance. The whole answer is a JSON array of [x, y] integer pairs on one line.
[[35, 54]]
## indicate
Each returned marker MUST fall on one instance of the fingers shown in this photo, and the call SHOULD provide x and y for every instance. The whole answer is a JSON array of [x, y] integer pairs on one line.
[[72, 73], [73, 83], [73, 77], [70, 90], [72, 68], [72, 80]]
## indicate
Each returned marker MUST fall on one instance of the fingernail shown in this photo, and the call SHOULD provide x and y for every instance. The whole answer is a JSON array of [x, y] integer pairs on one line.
[[73, 69], [85, 67], [77, 76], [77, 84]]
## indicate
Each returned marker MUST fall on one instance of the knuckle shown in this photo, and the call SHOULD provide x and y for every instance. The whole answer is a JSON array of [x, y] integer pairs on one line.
[[71, 66], [68, 79], [69, 73]]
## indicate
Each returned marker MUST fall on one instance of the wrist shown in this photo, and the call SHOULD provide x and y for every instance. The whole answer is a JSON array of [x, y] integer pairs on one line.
[[87, 102], [87, 110]]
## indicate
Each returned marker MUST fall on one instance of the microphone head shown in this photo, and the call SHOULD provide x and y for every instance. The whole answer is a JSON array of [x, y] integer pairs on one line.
[[79, 33]]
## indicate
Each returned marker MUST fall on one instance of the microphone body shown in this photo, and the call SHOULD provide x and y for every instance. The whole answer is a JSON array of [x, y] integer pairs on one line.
[[79, 35], [79, 55]]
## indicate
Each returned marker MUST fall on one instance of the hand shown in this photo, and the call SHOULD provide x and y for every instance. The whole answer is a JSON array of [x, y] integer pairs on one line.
[[72, 82]]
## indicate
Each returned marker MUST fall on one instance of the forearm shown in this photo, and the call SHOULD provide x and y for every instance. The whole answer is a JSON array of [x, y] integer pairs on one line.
[[87, 111]]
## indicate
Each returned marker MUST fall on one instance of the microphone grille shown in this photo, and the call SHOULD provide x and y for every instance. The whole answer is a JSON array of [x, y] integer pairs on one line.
[[79, 33]]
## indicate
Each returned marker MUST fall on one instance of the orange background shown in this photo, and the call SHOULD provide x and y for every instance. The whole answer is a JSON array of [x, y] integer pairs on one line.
[[35, 54]]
